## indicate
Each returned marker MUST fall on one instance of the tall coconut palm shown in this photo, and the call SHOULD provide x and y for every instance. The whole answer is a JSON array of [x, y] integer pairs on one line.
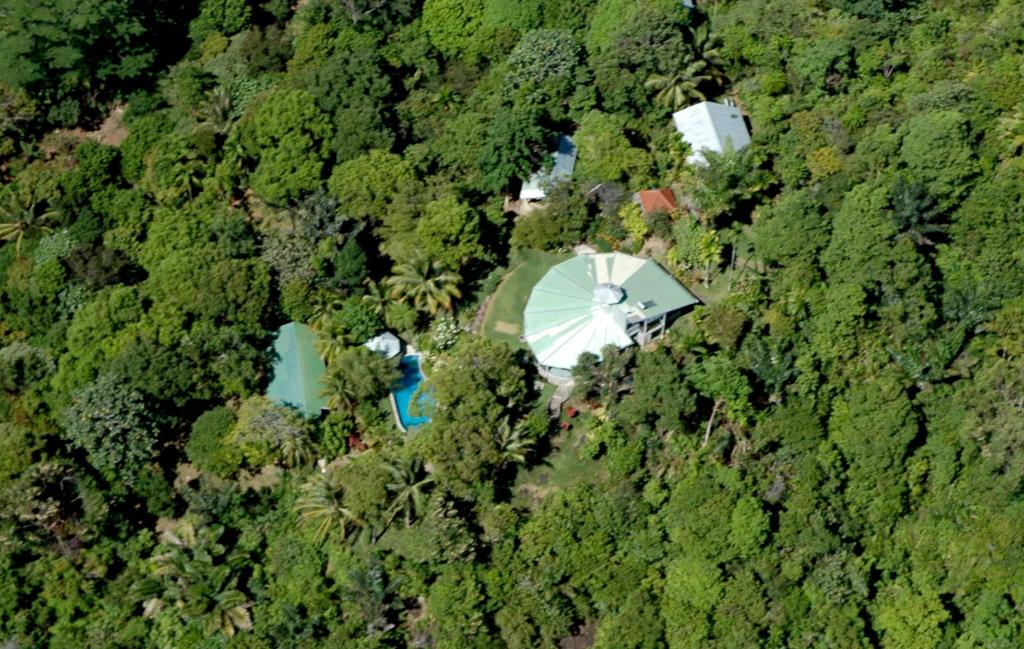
[[408, 487], [322, 504], [1011, 132], [215, 113], [340, 389], [707, 48], [677, 89], [193, 573], [771, 365], [330, 343], [429, 286], [356, 376], [376, 296], [514, 441], [914, 212], [22, 214], [325, 305]]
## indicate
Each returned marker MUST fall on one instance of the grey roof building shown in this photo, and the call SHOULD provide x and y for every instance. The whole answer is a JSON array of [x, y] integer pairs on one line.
[[539, 182]]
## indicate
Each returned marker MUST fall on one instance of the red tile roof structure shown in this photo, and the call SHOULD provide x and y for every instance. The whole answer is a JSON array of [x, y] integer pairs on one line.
[[654, 200]]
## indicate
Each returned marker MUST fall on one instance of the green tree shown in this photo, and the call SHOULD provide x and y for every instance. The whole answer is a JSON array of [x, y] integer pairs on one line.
[[718, 378], [227, 17], [693, 587], [452, 24], [114, 425], [265, 432], [605, 154], [910, 618], [454, 604], [660, 396], [69, 55], [541, 56], [476, 386], [695, 247], [561, 223], [749, 527], [287, 134], [208, 448], [515, 142], [936, 150], [376, 185], [449, 233]]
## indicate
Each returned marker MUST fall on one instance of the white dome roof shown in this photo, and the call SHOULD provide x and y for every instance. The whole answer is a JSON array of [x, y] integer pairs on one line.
[[608, 293]]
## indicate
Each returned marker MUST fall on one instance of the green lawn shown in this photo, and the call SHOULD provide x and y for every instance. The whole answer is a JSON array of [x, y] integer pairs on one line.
[[561, 469], [504, 318]]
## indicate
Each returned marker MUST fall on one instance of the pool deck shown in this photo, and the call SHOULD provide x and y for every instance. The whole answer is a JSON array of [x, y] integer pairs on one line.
[[394, 412]]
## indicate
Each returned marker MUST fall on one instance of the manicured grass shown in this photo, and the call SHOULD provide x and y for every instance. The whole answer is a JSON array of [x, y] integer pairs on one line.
[[561, 469], [504, 318]]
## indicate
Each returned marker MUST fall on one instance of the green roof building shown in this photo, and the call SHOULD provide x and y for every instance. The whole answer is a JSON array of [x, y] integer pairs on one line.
[[298, 370], [594, 300]]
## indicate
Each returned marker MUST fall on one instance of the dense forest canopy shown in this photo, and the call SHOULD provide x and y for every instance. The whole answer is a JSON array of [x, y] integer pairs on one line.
[[827, 452]]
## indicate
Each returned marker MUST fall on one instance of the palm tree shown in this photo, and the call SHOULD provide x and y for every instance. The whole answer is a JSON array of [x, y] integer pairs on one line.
[[325, 304], [408, 486], [772, 366], [215, 113], [914, 212], [428, 285], [1011, 132], [229, 612], [376, 296], [322, 503], [677, 89], [22, 214], [514, 442], [296, 446], [446, 98], [370, 593], [339, 388], [356, 376], [193, 573], [330, 343], [707, 48]]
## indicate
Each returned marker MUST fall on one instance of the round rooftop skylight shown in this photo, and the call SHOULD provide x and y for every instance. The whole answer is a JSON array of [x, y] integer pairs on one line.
[[608, 293]]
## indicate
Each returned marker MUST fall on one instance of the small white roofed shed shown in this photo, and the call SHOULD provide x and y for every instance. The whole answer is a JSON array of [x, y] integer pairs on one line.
[[536, 186], [386, 344], [708, 126]]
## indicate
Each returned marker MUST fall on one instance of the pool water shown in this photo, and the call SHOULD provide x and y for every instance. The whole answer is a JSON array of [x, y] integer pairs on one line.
[[404, 391]]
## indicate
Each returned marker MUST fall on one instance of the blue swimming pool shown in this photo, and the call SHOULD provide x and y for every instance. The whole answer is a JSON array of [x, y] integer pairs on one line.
[[404, 391]]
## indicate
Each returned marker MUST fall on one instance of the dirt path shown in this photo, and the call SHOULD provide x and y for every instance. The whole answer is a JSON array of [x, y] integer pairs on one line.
[[112, 132]]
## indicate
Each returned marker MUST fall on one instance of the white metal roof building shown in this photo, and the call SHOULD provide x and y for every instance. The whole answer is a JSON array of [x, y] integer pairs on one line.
[[708, 126], [536, 186], [590, 301], [386, 344]]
